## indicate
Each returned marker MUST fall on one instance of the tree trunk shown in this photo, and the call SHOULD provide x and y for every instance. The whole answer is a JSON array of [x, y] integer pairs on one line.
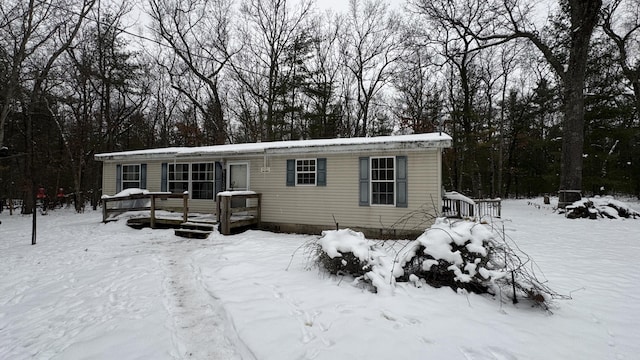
[[573, 137], [584, 17]]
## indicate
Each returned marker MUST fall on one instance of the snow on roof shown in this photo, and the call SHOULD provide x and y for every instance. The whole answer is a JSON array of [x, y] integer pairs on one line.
[[418, 140]]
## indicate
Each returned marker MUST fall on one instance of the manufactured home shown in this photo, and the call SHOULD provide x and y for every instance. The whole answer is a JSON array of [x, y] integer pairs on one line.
[[388, 186]]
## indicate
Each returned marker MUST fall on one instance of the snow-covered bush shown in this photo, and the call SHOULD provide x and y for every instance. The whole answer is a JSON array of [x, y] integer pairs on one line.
[[455, 253], [458, 254], [349, 252], [472, 256], [600, 207]]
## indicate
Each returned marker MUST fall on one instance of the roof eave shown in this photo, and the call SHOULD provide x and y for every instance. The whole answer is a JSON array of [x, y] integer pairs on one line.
[[333, 148]]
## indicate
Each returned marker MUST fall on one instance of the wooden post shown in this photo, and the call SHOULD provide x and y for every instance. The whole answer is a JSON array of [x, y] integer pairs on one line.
[[153, 211], [104, 210], [185, 207], [225, 223], [10, 206], [218, 200], [258, 214]]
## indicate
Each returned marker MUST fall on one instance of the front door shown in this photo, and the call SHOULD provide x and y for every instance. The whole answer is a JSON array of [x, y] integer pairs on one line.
[[238, 180], [237, 176]]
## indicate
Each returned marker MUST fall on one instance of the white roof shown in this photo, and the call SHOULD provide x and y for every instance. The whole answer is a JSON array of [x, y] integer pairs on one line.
[[431, 140]]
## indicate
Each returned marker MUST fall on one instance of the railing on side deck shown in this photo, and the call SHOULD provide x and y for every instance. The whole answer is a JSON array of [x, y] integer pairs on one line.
[[244, 215], [456, 205], [489, 208], [135, 204]]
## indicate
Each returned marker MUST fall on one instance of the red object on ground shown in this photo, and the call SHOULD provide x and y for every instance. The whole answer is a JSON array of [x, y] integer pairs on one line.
[[41, 194]]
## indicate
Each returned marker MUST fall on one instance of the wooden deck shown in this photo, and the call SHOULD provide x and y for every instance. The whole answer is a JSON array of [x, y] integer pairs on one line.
[[235, 210], [458, 206], [232, 216], [141, 202]]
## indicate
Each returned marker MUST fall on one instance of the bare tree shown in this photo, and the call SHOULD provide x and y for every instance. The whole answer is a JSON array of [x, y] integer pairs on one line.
[[197, 31], [270, 31], [321, 84], [370, 47], [34, 35], [621, 23], [97, 97], [565, 48], [419, 102], [458, 54]]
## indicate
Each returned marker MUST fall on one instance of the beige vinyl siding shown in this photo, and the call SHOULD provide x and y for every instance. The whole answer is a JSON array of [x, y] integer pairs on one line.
[[154, 176], [318, 205]]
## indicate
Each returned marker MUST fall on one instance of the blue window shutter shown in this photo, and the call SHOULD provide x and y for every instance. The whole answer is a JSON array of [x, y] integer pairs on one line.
[[218, 177], [143, 176], [322, 172], [118, 178], [364, 181], [291, 172], [401, 181], [163, 177]]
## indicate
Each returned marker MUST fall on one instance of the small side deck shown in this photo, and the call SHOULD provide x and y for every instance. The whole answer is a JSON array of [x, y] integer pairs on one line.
[[238, 209], [456, 205]]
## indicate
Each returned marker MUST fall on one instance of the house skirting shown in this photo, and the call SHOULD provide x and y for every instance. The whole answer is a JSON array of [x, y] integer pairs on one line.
[[370, 233]]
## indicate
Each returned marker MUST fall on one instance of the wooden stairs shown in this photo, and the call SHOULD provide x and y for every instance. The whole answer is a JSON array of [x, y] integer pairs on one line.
[[195, 229]]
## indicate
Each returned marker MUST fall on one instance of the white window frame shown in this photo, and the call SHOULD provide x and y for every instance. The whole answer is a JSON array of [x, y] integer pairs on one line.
[[187, 180], [386, 181], [190, 178], [212, 181], [122, 176], [228, 173], [303, 172]]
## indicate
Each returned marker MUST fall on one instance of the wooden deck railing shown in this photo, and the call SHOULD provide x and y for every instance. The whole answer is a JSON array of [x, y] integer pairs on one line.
[[489, 208], [457, 206], [231, 216], [136, 206]]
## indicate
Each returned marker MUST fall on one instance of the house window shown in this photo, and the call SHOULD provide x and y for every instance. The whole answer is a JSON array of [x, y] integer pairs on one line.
[[130, 176], [178, 178], [202, 180], [306, 172], [197, 178], [383, 181]]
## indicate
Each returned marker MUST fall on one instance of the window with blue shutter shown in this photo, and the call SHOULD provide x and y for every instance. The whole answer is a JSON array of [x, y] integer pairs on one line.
[[383, 181]]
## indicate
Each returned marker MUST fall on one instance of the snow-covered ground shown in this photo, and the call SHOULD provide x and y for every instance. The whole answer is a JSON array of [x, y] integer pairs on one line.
[[89, 290]]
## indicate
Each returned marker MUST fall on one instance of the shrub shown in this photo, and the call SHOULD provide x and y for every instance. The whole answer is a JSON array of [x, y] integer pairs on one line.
[[471, 256], [600, 207], [459, 254], [349, 252]]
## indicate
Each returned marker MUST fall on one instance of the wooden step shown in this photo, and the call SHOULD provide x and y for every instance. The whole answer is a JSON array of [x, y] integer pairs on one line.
[[193, 233], [193, 225]]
